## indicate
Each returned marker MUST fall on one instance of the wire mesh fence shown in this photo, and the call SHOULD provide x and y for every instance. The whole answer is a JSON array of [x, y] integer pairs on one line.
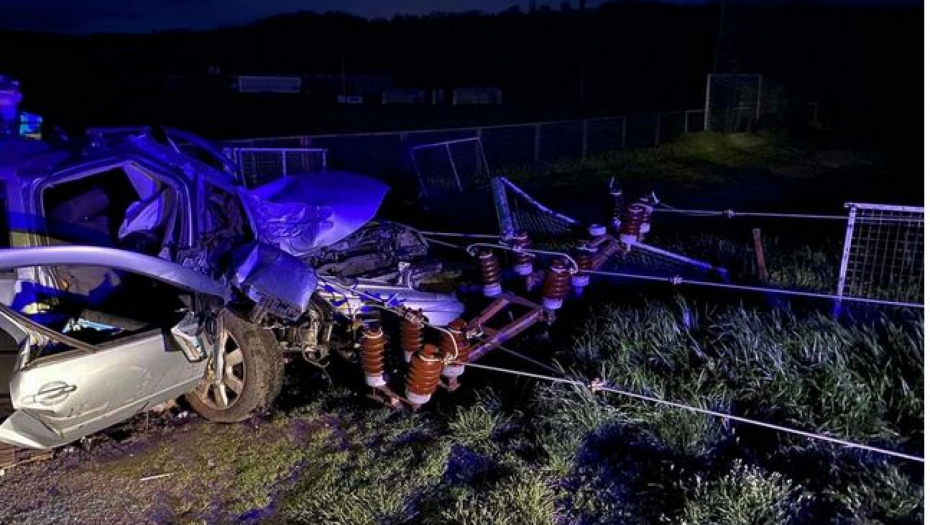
[[387, 155], [450, 166], [517, 211], [261, 165], [883, 254], [741, 103]]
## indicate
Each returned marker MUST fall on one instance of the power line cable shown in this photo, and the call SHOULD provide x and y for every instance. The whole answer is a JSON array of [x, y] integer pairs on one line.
[[598, 385]]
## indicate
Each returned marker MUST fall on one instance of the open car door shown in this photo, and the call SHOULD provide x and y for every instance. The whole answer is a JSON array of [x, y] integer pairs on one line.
[[105, 366]]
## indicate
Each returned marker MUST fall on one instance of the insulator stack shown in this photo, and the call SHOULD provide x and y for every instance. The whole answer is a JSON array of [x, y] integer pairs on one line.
[[556, 285], [597, 230], [411, 334], [454, 343], [616, 215], [423, 376], [373, 343], [584, 256], [633, 220], [490, 269], [523, 261]]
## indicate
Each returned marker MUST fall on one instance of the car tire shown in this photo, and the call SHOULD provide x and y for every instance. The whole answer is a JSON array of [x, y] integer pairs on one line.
[[254, 375]]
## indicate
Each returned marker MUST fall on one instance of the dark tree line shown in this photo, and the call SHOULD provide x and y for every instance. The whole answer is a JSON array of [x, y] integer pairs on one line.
[[864, 64]]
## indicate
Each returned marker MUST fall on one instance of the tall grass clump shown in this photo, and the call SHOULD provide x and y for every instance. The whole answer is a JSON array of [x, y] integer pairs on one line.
[[475, 425], [523, 497], [744, 495], [859, 381]]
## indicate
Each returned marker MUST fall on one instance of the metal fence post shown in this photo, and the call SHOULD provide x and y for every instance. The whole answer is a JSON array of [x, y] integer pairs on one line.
[[707, 105], [841, 283], [758, 104], [455, 170], [687, 114], [283, 163]]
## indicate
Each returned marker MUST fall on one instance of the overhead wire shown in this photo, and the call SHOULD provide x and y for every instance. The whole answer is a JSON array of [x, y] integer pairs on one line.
[[678, 280], [597, 385]]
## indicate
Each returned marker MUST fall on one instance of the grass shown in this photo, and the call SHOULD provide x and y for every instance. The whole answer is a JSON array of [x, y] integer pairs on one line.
[[861, 382], [697, 159], [743, 495], [520, 451], [563, 454]]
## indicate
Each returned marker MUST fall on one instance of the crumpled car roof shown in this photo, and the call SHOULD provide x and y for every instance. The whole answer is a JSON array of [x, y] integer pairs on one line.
[[301, 213]]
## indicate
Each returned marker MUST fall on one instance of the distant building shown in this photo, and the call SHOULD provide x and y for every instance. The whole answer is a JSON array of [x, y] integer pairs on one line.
[[477, 96], [403, 96], [350, 99], [267, 84]]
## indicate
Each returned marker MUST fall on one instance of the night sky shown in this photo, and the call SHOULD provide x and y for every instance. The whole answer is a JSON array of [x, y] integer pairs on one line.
[[84, 16], [87, 16]]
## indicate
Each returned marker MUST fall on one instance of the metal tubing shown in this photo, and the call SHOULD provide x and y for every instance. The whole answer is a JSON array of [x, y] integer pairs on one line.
[[506, 333]]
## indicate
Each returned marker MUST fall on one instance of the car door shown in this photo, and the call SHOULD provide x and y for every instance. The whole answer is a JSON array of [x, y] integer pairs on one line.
[[91, 381]]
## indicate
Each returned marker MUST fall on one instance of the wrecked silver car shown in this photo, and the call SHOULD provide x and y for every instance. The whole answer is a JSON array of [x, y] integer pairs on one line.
[[137, 268], [135, 273]]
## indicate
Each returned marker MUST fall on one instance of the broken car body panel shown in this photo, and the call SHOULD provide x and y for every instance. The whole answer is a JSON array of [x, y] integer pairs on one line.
[[70, 395], [273, 280], [73, 392]]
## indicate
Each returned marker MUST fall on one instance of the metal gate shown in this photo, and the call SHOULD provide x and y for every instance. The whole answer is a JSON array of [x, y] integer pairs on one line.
[[883, 254]]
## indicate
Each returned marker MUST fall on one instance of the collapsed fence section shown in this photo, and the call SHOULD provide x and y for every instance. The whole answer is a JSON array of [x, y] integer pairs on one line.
[[450, 166]]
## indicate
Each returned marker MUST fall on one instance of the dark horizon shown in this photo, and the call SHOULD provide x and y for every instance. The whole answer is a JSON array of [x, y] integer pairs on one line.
[[119, 16]]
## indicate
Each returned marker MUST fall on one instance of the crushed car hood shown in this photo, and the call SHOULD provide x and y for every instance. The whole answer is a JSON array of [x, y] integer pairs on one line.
[[300, 213]]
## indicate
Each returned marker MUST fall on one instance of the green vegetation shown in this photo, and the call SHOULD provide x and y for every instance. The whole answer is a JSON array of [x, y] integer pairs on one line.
[[790, 267], [523, 451], [806, 371], [743, 495], [698, 159], [567, 453]]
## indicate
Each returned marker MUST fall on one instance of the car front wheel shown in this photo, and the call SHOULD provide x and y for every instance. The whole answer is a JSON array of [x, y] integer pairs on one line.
[[254, 374]]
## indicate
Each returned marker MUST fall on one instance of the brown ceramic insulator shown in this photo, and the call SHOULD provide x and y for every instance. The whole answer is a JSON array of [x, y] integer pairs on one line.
[[411, 335], [372, 355], [633, 219], [521, 260], [647, 222], [453, 342], [556, 284], [424, 373], [584, 257], [617, 209], [490, 269]]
